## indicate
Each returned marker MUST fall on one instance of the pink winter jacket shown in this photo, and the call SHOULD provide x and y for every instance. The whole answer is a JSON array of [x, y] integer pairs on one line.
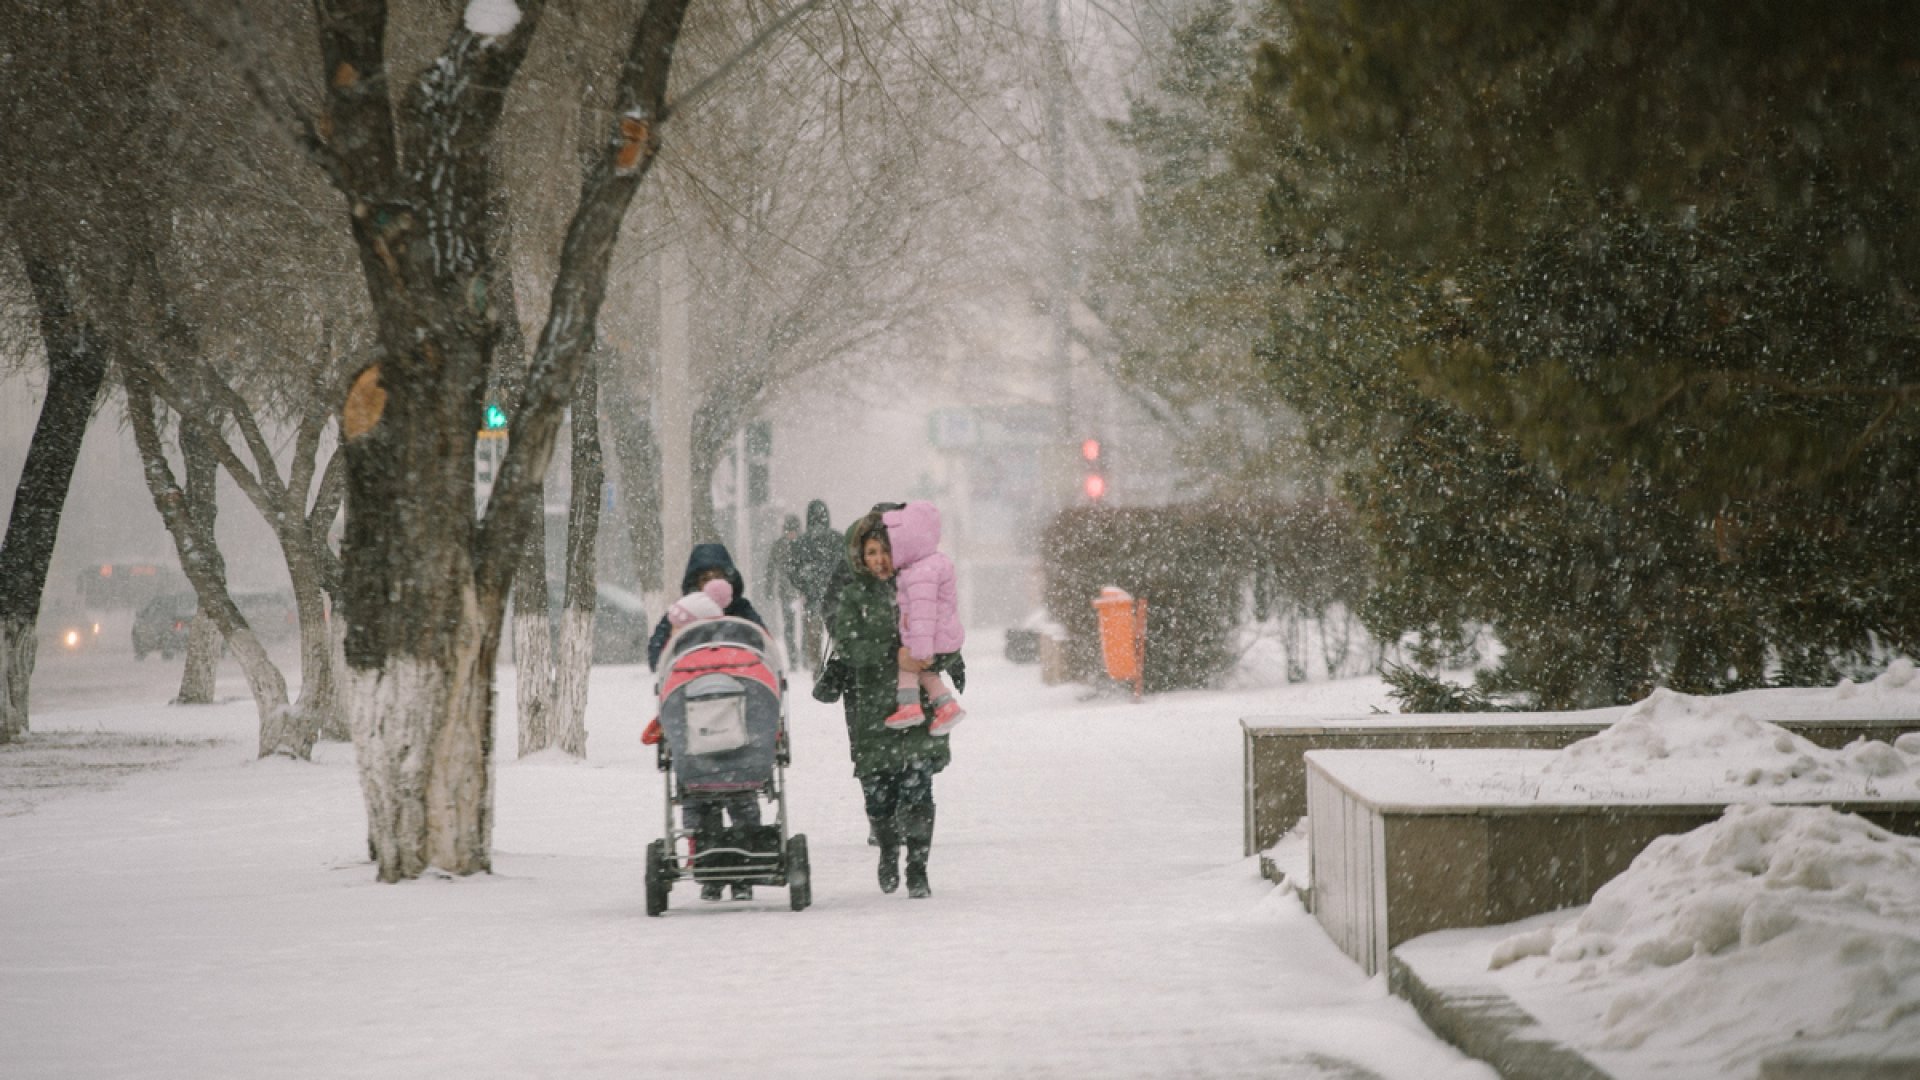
[[929, 601]]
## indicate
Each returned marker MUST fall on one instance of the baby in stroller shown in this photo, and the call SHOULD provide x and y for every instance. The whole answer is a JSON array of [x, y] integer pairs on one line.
[[702, 812]]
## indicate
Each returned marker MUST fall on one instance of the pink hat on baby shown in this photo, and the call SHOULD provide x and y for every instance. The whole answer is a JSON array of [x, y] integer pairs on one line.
[[709, 603]]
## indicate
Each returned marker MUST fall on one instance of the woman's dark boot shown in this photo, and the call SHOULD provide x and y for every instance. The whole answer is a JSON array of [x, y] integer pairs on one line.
[[918, 848], [917, 830], [889, 841]]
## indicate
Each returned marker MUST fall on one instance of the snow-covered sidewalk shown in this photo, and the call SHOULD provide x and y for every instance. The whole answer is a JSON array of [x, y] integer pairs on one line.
[[1092, 916]]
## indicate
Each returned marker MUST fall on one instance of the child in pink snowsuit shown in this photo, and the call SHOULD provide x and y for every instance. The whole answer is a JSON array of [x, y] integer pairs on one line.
[[929, 615]]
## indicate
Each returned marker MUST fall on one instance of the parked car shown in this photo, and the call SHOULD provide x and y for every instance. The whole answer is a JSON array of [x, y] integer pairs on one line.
[[161, 625]]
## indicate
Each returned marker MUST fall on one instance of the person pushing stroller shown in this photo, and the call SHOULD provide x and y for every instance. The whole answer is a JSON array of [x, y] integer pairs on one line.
[[713, 588]]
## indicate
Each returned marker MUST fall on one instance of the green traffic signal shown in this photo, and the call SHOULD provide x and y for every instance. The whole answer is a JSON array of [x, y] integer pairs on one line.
[[495, 416]]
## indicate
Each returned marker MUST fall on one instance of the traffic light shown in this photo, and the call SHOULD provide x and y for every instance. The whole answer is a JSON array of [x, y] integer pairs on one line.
[[1094, 482], [494, 418]]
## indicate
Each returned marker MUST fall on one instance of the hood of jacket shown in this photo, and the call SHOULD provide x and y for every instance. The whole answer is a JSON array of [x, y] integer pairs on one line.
[[706, 557], [817, 515], [913, 532]]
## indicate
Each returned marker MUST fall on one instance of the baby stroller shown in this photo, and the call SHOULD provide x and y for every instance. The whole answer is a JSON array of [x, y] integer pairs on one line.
[[723, 718]]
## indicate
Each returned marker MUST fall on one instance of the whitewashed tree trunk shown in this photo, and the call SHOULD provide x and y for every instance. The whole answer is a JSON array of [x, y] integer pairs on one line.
[[203, 656], [418, 728], [533, 679], [533, 643], [18, 646], [570, 680], [424, 587]]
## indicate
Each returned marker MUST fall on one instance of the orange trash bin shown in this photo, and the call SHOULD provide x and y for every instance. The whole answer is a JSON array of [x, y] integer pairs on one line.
[[1123, 633]]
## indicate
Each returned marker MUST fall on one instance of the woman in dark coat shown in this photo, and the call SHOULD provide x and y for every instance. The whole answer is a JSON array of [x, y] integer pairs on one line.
[[895, 766]]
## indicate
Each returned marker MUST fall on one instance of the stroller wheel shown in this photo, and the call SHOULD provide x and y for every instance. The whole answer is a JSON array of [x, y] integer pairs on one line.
[[799, 883], [657, 884]]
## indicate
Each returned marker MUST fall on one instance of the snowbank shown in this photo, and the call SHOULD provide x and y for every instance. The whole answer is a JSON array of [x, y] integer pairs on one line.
[[1774, 925], [1717, 741]]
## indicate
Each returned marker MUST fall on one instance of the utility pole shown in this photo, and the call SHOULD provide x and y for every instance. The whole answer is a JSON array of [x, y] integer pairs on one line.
[[1059, 271]]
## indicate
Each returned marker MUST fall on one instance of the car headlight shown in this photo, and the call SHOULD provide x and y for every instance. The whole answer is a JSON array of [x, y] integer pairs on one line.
[[72, 639]]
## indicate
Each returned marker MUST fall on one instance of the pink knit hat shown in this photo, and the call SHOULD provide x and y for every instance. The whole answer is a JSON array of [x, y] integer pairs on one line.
[[709, 603]]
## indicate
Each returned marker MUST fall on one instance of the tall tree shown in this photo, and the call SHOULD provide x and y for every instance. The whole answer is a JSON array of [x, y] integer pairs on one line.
[[1179, 280], [74, 76], [76, 368], [426, 585], [1616, 297]]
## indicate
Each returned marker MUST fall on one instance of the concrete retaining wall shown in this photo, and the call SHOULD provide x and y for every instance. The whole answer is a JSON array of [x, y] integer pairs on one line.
[[1385, 872], [1273, 749]]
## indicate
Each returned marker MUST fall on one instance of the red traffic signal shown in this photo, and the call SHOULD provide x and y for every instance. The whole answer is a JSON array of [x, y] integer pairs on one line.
[[1090, 449], [1095, 486]]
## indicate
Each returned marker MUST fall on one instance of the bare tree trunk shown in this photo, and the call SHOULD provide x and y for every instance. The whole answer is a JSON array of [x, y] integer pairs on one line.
[[533, 640], [203, 638], [583, 530], [75, 369], [335, 729], [203, 660], [425, 589], [200, 560], [638, 461]]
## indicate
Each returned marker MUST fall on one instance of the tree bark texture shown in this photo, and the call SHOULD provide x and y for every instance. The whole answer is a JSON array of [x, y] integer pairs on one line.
[[637, 459], [425, 588], [282, 730], [203, 638], [533, 642], [583, 531], [76, 367], [202, 661]]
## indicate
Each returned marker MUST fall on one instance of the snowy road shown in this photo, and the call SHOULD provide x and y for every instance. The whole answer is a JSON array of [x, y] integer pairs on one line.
[[1092, 917]]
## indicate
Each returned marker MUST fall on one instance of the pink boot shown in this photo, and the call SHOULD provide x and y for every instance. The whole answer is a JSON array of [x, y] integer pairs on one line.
[[906, 716], [945, 716]]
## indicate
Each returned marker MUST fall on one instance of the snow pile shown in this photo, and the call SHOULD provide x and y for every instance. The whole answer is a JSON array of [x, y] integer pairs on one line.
[[492, 18], [1772, 925], [1716, 743], [1900, 682]]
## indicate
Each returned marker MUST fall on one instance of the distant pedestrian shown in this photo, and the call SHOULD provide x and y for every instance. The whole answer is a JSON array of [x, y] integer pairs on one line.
[[814, 557], [786, 604]]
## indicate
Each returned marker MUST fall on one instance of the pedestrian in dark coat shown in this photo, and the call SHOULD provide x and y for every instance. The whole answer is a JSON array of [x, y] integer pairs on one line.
[[895, 767], [782, 592], [706, 562], [811, 563]]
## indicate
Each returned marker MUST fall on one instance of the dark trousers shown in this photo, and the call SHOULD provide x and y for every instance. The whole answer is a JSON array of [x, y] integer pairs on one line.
[[900, 807], [703, 818]]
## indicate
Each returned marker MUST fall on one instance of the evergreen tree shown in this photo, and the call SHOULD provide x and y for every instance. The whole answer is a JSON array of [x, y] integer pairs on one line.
[[1610, 312], [1183, 284]]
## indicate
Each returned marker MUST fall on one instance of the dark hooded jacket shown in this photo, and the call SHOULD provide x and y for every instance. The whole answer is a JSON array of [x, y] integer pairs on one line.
[[814, 557], [866, 633], [705, 557]]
